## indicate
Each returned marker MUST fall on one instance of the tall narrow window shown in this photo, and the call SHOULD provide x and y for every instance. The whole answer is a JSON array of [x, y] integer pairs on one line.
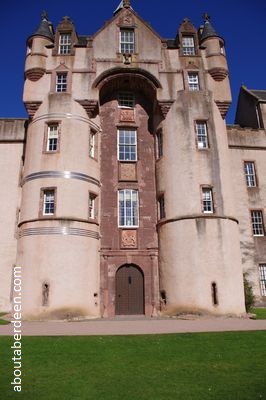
[[202, 135], [127, 145], [61, 82], [52, 138], [128, 208], [250, 173], [92, 200], [64, 43], [48, 202], [188, 46], [262, 272], [207, 201], [161, 207], [193, 81], [92, 144], [257, 223], [159, 140], [214, 294], [126, 100], [127, 41]]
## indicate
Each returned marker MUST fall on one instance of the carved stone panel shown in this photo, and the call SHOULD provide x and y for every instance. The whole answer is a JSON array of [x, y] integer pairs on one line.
[[127, 171], [127, 115], [129, 239]]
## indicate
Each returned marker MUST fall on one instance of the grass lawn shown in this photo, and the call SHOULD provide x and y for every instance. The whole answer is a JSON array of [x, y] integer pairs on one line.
[[260, 313], [200, 366]]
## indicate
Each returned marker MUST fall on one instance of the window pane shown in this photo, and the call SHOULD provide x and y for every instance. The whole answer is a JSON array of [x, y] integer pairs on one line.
[[250, 174], [48, 202], [193, 81], [207, 201], [52, 138], [126, 99], [127, 145], [202, 137], [262, 273], [127, 41], [65, 43], [128, 207], [188, 45], [257, 223], [61, 82]]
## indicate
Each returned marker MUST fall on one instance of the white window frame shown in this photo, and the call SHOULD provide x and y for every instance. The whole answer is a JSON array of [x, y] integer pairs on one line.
[[257, 223], [202, 135], [188, 45], [61, 82], [48, 202], [52, 138], [262, 275], [193, 81], [250, 173], [127, 41], [126, 100], [207, 200], [92, 200], [124, 148], [128, 208], [92, 143], [64, 47]]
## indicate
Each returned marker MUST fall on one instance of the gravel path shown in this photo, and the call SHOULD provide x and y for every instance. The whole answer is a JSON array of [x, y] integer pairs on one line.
[[134, 326]]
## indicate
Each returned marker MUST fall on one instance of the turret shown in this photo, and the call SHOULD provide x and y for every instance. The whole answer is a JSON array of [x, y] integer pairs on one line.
[[36, 49]]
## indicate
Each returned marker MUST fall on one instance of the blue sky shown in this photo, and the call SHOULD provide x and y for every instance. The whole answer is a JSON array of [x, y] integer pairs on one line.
[[240, 22]]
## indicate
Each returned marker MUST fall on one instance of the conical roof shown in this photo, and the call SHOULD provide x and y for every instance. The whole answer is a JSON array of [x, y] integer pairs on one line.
[[44, 28], [208, 30]]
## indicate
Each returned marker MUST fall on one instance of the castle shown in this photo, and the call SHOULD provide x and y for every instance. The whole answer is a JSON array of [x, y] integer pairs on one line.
[[125, 191]]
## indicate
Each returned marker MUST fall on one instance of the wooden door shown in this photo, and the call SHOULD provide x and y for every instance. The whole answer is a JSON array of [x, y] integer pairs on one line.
[[129, 291]]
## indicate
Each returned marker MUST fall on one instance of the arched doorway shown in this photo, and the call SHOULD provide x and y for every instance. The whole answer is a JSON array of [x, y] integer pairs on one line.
[[129, 290]]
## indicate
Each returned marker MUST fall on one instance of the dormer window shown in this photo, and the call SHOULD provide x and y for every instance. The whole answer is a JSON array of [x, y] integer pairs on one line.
[[188, 46], [61, 82], [64, 44], [127, 41]]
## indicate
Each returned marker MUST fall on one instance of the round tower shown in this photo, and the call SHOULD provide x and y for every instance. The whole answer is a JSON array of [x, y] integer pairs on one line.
[[199, 252], [58, 229]]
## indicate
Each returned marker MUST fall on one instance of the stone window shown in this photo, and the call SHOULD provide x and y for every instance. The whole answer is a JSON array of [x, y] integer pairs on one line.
[[127, 41], [207, 200], [92, 205], [93, 144], [61, 82], [161, 207], [250, 173], [188, 45], [127, 144], [128, 205], [48, 201], [159, 142], [214, 294], [126, 100], [64, 47], [52, 138], [193, 81], [262, 272], [202, 135], [257, 223]]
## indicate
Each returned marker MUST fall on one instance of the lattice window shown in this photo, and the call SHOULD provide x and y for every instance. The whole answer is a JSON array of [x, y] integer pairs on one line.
[[207, 200], [126, 100], [127, 41], [64, 43], [193, 81], [52, 138], [250, 174], [188, 46], [61, 82], [202, 135], [48, 202]]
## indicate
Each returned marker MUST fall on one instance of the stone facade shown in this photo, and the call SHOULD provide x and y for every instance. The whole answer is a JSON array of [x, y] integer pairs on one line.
[[126, 191]]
